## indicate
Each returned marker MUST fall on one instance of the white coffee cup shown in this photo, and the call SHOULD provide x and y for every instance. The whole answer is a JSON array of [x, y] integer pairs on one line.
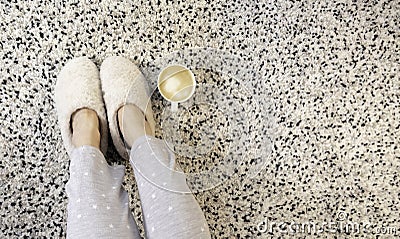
[[176, 84]]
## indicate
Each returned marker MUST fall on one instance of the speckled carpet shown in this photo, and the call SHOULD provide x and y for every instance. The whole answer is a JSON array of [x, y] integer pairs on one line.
[[324, 136]]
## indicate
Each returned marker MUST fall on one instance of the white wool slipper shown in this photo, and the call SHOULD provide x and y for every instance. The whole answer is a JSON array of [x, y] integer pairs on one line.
[[78, 86], [123, 83]]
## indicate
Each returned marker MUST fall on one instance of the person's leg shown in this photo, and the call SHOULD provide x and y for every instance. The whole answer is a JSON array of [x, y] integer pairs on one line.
[[167, 211], [97, 204]]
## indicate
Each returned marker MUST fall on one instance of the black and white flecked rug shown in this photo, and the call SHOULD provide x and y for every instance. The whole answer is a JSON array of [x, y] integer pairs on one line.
[[322, 108]]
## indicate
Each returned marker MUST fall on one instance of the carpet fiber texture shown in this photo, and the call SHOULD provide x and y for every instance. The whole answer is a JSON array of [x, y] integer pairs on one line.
[[321, 138]]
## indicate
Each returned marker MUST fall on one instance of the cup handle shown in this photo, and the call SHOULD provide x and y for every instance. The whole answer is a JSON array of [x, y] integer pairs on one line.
[[174, 106]]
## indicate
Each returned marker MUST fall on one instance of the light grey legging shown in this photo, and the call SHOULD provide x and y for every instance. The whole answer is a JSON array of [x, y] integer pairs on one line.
[[98, 204]]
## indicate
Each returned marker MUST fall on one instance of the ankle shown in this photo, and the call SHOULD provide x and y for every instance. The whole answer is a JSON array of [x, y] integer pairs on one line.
[[85, 128], [132, 123]]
